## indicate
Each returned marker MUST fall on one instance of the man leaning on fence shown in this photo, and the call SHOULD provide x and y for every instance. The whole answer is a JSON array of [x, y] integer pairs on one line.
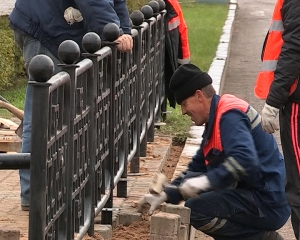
[[41, 26], [234, 184]]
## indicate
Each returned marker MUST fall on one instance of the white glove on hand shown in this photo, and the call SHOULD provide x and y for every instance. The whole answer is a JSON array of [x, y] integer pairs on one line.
[[154, 200], [268, 119], [192, 186], [72, 15], [125, 43]]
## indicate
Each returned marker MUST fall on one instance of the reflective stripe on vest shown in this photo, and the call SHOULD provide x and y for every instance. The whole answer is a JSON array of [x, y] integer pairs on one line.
[[179, 22], [228, 102], [173, 23], [271, 52], [184, 61]]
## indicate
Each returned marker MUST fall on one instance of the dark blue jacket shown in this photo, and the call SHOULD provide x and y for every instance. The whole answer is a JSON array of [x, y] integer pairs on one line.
[[44, 19], [260, 165]]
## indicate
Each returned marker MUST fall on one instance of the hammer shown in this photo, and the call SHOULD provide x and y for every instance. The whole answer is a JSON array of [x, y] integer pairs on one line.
[[14, 110], [158, 184]]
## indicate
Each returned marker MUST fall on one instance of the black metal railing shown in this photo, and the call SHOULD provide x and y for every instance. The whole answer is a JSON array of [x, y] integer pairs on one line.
[[89, 123]]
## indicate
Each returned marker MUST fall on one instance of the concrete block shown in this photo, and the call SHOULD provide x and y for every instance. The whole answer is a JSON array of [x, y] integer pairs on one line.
[[182, 211], [104, 230], [9, 234], [126, 218], [158, 237], [165, 224], [213, 1], [192, 232], [183, 232]]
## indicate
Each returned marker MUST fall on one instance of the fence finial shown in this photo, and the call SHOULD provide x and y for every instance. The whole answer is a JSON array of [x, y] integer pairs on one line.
[[91, 42], [68, 52], [41, 68]]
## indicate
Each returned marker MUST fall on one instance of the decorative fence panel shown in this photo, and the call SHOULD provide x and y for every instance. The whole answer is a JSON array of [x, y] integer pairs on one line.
[[90, 125]]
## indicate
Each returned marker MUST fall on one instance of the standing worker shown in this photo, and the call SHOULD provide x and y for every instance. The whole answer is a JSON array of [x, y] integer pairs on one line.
[[234, 184], [277, 83], [41, 26], [177, 44]]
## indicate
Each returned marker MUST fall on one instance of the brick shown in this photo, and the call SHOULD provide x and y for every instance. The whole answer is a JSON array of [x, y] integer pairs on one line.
[[182, 211], [192, 232], [165, 224], [126, 217], [183, 232], [104, 230], [9, 234], [158, 237]]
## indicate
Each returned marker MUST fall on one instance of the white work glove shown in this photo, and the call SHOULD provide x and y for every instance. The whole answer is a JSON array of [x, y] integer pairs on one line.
[[154, 200], [72, 15], [192, 186], [268, 119], [125, 43]]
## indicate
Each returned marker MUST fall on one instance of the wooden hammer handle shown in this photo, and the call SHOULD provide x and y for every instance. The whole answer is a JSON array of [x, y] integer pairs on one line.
[[14, 110]]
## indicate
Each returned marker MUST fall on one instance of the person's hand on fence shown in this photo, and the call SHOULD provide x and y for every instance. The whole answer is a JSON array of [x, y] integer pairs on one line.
[[125, 43], [154, 200], [268, 118]]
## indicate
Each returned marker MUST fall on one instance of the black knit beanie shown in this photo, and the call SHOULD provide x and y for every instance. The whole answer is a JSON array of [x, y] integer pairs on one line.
[[186, 80]]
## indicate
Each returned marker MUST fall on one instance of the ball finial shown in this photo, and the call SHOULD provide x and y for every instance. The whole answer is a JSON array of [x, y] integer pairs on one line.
[[110, 32], [91, 42], [154, 5], [162, 5], [137, 17], [41, 68], [68, 52], [147, 11]]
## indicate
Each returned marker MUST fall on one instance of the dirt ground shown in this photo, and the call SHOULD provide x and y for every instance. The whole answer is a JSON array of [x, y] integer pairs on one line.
[[140, 230]]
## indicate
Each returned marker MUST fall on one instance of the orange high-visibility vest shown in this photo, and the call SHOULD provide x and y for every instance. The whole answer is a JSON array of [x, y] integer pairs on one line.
[[226, 103], [270, 54], [179, 22]]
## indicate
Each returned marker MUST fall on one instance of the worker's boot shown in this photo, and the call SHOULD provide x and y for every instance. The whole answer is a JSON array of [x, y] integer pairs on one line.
[[272, 235]]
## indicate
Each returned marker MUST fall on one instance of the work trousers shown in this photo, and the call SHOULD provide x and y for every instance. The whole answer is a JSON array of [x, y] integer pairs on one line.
[[30, 47], [235, 214], [290, 134]]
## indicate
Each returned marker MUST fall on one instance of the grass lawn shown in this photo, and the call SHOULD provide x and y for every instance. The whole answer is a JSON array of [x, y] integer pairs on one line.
[[205, 23]]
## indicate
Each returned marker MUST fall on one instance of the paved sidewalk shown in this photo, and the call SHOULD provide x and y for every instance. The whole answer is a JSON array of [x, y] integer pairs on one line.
[[6, 6]]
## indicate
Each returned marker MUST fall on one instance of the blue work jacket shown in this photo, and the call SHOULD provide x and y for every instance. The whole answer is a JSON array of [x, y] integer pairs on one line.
[[250, 158], [44, 20]]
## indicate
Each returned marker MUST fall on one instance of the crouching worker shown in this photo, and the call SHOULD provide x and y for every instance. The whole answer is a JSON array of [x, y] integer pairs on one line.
[[234, 184]]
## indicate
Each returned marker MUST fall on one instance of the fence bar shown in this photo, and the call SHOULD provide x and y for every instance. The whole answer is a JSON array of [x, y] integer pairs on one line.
[[15, 161]]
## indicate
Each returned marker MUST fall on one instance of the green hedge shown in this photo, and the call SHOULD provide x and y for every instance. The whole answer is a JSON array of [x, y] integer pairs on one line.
[[11, 62], [136, 4]]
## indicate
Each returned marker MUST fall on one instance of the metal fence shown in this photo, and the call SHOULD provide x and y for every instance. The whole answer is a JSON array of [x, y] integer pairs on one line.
[[91, 123]]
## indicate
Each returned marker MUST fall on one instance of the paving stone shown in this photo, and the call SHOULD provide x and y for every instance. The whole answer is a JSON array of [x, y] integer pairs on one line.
[[180, 210], [165, 224], [104, 230], [9, 234]]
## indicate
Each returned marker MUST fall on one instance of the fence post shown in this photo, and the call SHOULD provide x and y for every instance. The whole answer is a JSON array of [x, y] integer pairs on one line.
[[68, 53], [91, 43], [135, 162], [41, 69], [106, 215]]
